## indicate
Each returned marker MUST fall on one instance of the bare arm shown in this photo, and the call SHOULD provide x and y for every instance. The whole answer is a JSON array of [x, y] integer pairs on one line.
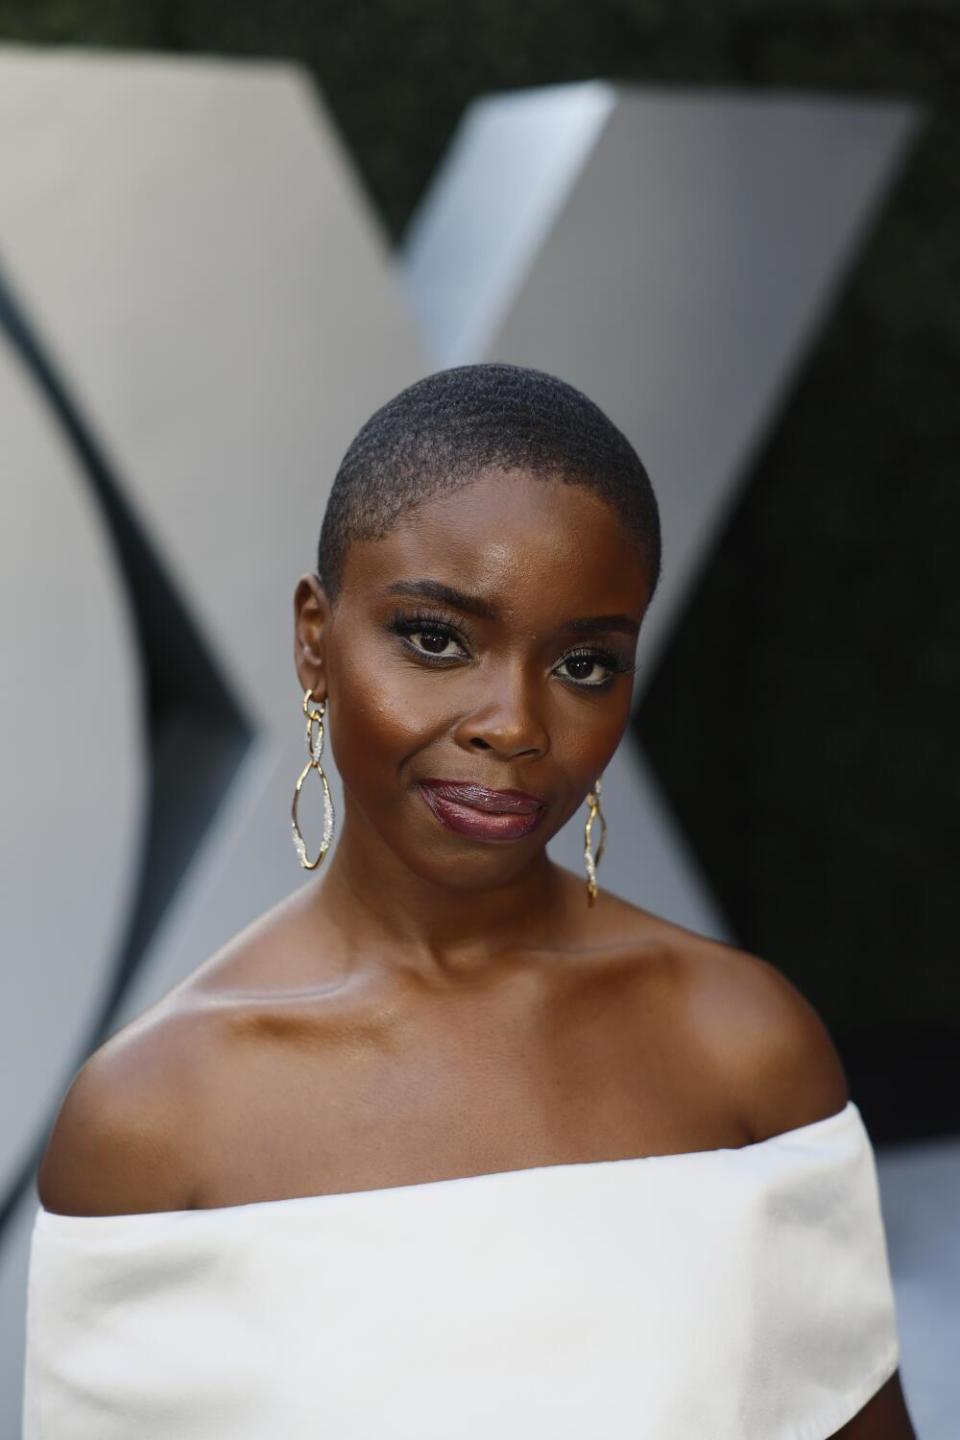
[[884, 1417]]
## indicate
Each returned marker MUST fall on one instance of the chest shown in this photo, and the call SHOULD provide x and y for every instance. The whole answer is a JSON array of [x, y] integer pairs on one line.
[[360, 1098]]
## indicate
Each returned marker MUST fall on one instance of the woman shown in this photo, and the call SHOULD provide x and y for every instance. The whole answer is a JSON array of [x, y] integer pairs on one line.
[[450, 1143]]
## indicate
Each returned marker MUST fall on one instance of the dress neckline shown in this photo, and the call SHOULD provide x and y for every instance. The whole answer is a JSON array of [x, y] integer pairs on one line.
[[142, 1219]]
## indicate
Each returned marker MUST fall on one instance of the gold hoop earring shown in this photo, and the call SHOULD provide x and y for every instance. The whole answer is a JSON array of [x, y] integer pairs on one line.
[[315, 750], [590, 860]]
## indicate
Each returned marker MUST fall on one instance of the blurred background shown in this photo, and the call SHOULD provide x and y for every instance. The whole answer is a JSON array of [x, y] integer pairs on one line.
[[228, 232]]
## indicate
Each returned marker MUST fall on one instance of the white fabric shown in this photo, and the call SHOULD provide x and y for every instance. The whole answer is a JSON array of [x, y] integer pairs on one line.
[[736, 1294]]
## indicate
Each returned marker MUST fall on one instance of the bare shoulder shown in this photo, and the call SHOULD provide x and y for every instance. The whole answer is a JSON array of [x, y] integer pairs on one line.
[[758, 1033], [130, 1133], [769, 1042], [122, 1139]]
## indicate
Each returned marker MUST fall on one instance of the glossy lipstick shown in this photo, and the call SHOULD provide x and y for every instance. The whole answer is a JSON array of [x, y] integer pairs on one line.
[[481, 813]]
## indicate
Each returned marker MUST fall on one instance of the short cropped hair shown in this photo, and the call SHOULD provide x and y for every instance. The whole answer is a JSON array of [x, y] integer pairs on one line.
[[439, 433]]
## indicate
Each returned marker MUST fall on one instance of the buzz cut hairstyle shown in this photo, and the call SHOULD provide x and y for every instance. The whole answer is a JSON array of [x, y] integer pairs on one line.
[[437, 435]]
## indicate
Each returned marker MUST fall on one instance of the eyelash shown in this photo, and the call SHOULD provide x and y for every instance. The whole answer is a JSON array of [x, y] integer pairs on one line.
[[407, 623]]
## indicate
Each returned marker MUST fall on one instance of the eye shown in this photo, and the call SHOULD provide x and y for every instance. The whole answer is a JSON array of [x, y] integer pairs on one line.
[[582, 663], [436, 640], [428, 635]]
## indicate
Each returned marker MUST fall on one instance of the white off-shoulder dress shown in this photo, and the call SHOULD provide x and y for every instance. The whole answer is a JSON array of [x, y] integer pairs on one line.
[[736, 1294]]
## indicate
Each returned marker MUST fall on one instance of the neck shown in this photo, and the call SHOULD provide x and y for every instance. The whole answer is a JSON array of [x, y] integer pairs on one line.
[[373, 902]]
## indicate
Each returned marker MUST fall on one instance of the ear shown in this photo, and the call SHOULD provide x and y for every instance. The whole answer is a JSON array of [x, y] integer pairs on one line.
[[311, 615]]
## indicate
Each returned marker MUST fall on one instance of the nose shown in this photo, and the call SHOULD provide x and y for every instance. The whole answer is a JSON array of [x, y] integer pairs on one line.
[[507, 720]]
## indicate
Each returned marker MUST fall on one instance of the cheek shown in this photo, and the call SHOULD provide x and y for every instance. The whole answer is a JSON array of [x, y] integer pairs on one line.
[[384, 711], [585, 730], [380, 713]]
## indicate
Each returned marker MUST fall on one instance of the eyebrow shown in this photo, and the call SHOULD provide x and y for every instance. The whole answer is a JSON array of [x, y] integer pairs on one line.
[[476, 605]]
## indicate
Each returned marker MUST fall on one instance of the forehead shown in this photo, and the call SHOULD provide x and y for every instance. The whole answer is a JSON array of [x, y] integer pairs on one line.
[[514, 537]]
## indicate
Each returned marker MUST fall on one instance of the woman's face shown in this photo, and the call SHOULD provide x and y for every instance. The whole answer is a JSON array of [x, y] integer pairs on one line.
[[489, 639]]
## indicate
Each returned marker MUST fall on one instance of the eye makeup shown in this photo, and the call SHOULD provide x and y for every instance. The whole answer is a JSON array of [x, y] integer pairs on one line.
[[407, 623]]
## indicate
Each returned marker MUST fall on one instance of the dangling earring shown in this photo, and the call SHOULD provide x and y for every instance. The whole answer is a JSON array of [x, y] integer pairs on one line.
[[315, 750], [592, 861]]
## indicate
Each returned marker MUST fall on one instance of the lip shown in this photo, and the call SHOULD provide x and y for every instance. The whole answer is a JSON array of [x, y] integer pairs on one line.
[[480, 812], [479, 797]]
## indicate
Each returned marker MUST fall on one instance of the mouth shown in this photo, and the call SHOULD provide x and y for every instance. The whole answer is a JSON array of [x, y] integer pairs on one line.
[[482, 813]]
